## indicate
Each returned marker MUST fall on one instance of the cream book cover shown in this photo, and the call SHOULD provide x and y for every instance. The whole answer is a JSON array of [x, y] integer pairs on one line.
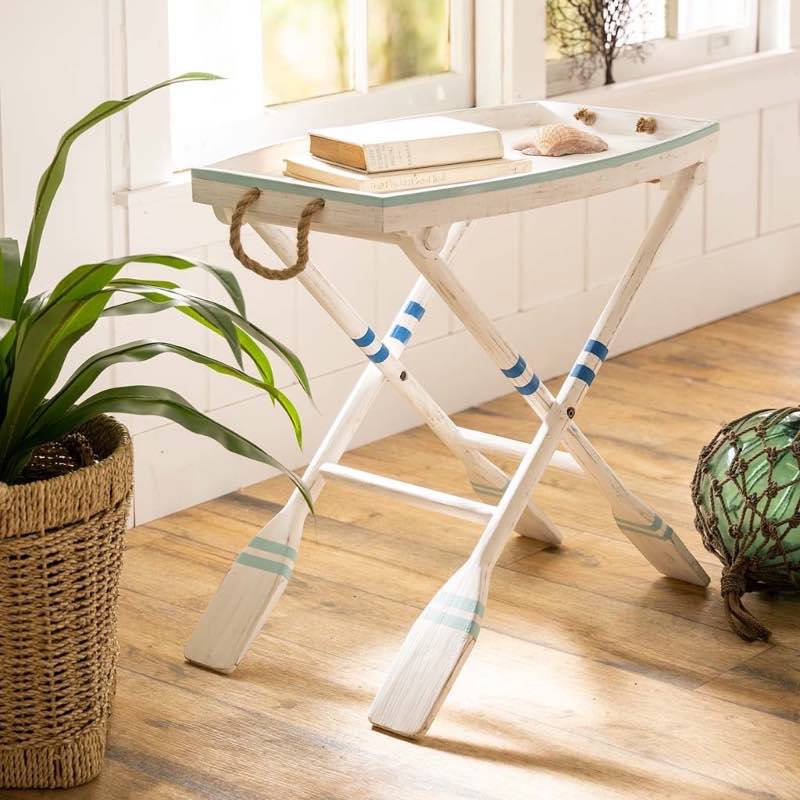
[[406, 143]]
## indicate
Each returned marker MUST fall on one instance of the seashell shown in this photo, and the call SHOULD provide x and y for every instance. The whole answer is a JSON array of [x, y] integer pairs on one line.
[[646, 125], [585, 116], [559, 140]]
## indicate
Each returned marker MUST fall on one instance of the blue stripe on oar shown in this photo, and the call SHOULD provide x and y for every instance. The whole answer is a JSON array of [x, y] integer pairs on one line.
[[596, 348], [530, 387], [583, 373], [381, 355], [273, 547], [415, 309], [516, 370], [367, 339], [265, 564], [400, 333], [468, 626]]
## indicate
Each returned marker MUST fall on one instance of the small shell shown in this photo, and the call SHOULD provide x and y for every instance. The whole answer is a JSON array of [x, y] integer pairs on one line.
[[585, 116], [646, 125], [559, 140]]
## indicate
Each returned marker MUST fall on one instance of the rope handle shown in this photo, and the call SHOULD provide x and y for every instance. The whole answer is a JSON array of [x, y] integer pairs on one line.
[[303, 227]]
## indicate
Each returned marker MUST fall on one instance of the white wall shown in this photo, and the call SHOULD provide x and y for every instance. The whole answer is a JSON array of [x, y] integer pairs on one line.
[[543, 275]]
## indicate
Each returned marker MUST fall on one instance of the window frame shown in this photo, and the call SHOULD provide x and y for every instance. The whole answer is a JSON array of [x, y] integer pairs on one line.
[[672, 53], [418, 95], [509, 66]]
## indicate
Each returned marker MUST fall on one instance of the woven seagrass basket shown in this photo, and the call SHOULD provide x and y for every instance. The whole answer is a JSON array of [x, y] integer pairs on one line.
[[61, 543]]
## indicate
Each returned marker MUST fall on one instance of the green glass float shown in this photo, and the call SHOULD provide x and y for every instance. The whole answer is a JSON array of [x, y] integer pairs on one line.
[[746, 492]]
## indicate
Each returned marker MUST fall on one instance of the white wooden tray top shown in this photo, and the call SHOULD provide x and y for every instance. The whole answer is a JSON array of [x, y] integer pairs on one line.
[[631, 158], [427, 225]]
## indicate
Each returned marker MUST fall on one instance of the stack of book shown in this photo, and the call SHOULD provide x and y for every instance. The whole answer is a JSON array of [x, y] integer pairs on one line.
[[404, 154]]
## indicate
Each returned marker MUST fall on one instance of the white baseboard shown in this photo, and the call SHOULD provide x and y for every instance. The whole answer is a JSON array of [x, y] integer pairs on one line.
[[175, 469]]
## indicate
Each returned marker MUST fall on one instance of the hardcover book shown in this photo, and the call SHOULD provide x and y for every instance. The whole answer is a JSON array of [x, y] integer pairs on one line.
[[309, 168], [406, 144]]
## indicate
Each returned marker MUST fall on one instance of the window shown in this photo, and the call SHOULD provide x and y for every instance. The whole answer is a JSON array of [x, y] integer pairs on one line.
[[295, 65], [669, 35], [402, 39]]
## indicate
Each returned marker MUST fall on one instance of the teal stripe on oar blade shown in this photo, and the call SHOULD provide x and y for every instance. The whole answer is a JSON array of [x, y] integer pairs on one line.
[[649, 530], [460, 602], [491, 491], [265, 564], [273, 547], [468, 626]]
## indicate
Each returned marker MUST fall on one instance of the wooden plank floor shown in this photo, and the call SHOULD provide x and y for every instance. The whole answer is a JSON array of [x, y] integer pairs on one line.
[[592, 678]]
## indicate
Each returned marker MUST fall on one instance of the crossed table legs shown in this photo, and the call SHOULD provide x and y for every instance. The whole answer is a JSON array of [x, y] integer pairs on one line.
[[440, 641]]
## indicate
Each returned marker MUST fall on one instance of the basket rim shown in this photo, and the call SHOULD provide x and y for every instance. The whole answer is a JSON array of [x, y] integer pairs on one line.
[[43, 505]]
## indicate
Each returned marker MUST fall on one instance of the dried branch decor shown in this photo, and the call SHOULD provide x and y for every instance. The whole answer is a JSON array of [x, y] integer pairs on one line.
[[593, 34]]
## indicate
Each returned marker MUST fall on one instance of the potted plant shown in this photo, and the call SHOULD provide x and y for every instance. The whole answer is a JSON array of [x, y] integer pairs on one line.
[[66, 477]]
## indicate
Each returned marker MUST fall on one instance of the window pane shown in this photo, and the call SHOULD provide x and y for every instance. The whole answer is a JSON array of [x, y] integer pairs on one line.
[[407, 38], [307, 49], [646, 21], [702, 15]]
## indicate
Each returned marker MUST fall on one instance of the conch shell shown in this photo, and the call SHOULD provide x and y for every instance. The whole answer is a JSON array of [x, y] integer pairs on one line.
[[559, 140]]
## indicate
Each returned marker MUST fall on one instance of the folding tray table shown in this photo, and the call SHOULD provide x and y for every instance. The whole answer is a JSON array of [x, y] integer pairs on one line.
[[427, 224]]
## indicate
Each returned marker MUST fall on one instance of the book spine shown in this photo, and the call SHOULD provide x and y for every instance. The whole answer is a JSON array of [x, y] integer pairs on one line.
[[387, 156], [399, 183]]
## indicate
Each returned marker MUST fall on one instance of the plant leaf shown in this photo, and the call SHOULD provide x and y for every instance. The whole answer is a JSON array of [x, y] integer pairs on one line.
[[248, 345], [144, 350], [217, 315], [93, 277], [10, 271], [54, 174], [160, 402], [38, 359], [241, 322]]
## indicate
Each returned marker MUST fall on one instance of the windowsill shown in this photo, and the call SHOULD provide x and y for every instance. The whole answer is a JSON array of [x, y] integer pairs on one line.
[[776, 72], [721, 89]]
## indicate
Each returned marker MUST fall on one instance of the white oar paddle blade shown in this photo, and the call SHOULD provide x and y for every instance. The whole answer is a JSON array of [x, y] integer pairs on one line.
[[432, 655], [247, 594], [661, 546]]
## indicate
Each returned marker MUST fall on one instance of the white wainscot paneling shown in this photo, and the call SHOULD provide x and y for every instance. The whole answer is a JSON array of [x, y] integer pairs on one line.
[[188, 379], [349, 264], [732, 185], [487, 263], [176, 469], [396, 276], [270, 304], [616, 223], [552, 253], [685, 240], [780, 167], [39, 103], [165, 218]]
